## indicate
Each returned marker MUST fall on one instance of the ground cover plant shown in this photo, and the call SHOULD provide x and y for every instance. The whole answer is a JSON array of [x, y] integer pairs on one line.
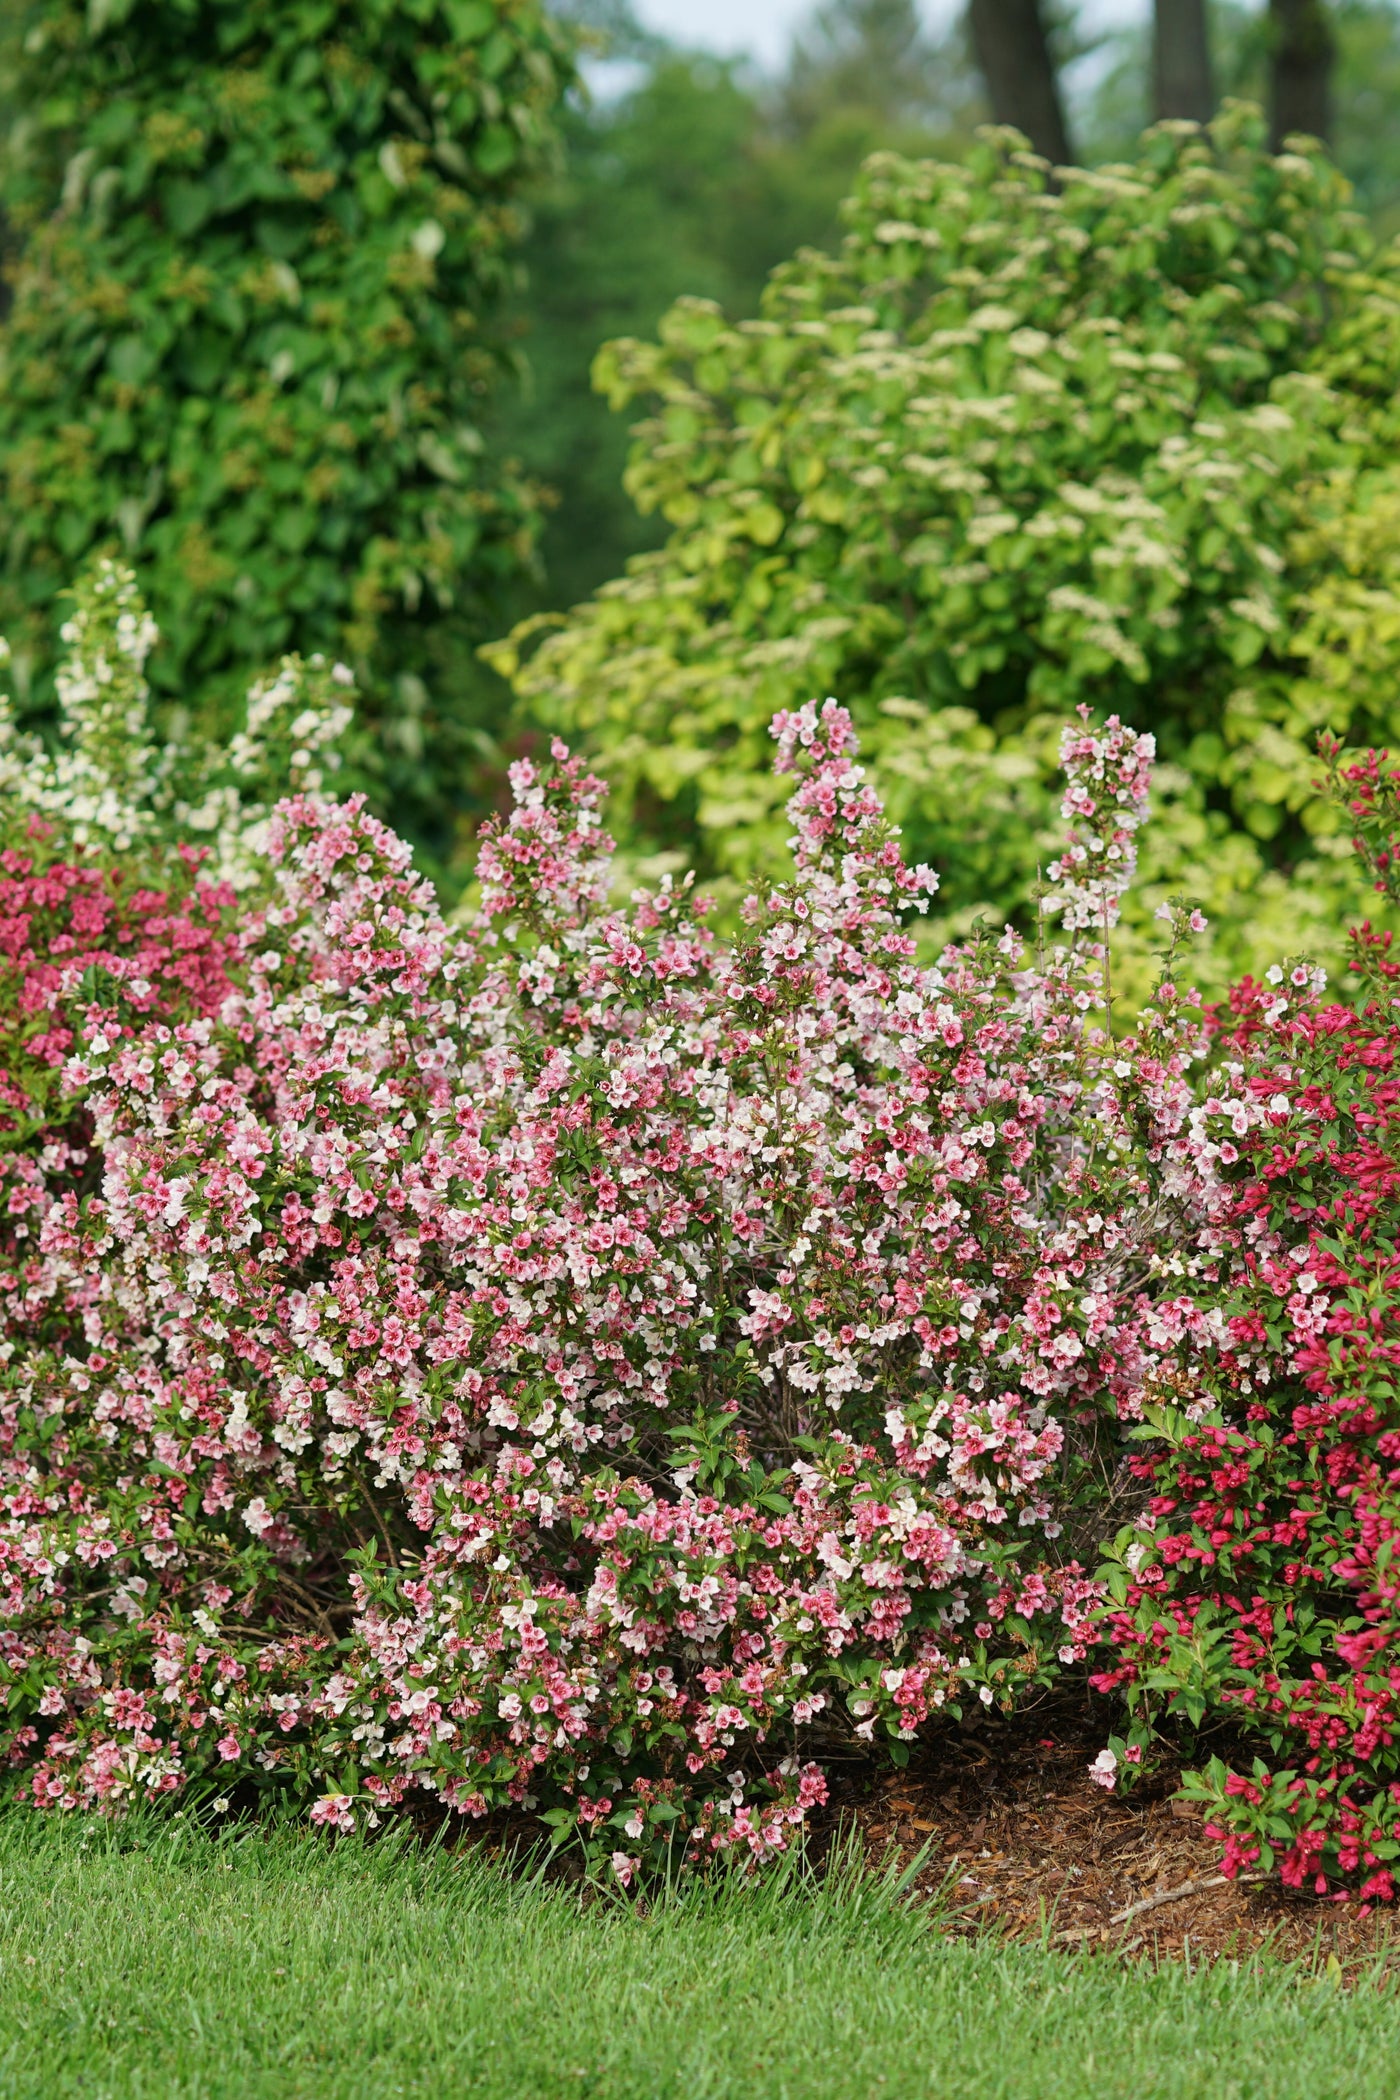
[[136, 1960], [1126, 439]]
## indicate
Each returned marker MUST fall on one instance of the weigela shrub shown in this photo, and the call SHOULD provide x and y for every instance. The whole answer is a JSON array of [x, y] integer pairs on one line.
[[1257, 1592], [571, 1362]]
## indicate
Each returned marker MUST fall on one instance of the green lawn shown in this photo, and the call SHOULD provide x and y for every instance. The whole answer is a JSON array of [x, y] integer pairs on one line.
[[162, 1964]]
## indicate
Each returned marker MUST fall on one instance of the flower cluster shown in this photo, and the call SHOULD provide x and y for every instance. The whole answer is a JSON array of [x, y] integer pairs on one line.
[[570, 1362], [115, 786], [82, 946], [1257, 1588], [1106, 801]]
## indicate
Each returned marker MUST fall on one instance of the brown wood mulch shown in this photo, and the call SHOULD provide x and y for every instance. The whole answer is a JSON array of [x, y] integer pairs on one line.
[[1022, 1845]]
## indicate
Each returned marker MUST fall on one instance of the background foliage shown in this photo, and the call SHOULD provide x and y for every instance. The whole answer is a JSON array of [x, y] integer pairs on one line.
[[1365, 142], [252, 348], [1008, 450], [686, 175]]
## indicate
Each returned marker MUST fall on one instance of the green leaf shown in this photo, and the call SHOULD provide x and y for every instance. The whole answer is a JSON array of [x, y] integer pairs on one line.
[[496, 149]]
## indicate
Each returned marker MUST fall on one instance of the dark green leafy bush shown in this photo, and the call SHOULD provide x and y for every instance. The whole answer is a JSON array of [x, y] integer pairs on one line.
[[250, 347]]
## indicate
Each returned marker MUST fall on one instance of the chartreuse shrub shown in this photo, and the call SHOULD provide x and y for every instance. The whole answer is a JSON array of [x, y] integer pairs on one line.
[[1126, 439], [251, 348]]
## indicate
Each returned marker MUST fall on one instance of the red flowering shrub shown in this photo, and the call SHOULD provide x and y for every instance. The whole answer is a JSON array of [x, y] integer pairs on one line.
[[1260, 1589], [570, 1362], [82, 945]]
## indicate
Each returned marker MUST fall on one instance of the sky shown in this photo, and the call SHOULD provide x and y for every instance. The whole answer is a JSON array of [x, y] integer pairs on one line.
[[762, 28]]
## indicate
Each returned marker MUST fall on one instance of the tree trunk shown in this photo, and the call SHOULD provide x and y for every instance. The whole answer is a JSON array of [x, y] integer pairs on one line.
[[1302, 56], [1182, 83], [1013, 53]]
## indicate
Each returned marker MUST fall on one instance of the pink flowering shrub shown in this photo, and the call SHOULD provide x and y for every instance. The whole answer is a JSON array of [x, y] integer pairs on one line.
[[570, 1362], [81, 947]]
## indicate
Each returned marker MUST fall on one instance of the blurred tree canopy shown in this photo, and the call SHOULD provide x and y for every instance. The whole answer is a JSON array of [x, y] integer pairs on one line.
[[1127, 438], [1365, 90], [685, 174]]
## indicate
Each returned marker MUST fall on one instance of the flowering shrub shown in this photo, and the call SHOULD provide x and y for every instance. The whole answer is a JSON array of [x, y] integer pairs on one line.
[[571, 1362], [105, 923], [79, 948], [1258, 1589], [112, 788]]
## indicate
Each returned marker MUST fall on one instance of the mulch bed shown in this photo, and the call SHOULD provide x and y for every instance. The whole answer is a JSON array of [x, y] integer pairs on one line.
[[1026, 1847]]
